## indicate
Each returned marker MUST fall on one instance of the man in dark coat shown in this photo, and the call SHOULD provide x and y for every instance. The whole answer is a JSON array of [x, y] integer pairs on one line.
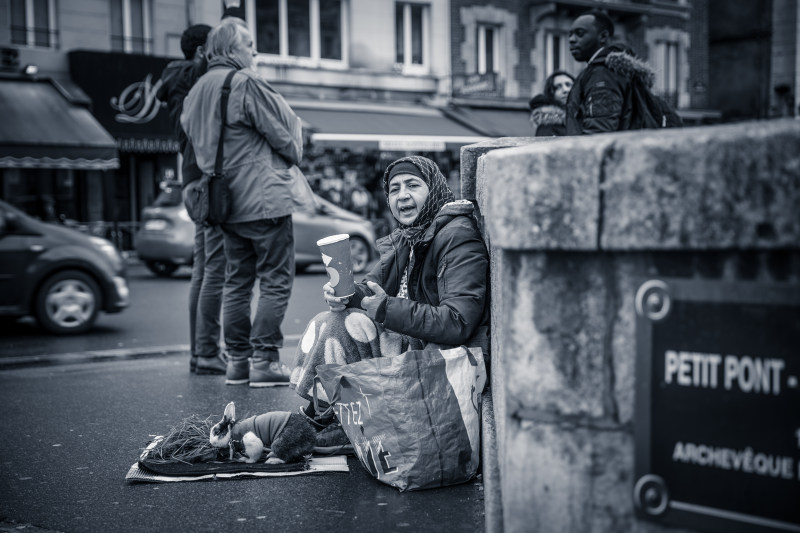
[[179, 76], [596, 103], [208, 268]]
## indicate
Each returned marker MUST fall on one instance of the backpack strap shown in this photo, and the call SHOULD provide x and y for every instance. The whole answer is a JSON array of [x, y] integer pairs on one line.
[[226, 91]]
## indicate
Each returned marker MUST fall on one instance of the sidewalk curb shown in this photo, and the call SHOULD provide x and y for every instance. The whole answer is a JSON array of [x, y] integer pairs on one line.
[[94, 356], [99, 356]]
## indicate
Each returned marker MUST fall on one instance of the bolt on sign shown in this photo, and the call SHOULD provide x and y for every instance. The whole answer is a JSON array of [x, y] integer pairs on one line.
[[717, 422]]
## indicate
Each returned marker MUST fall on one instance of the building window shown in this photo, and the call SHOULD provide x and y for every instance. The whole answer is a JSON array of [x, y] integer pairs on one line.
[[304, 29], [557, 56], [299, 31], [330, 29], [33, 23], [488, 49], [666, 66], [411, 35], [130, 26]]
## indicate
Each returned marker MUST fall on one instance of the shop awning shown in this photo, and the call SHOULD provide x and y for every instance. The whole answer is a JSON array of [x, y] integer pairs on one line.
[[40, 128], [495, 122], [384, 127]]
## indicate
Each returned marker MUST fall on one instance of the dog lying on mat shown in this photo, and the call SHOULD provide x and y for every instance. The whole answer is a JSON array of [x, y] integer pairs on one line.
[[289, 436]]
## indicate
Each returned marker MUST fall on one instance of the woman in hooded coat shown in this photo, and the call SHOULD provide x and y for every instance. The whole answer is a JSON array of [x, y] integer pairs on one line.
[[428, 290], [548, 110]]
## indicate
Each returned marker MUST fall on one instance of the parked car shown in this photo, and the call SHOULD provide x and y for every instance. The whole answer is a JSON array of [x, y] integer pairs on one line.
[[57, 274], [166, 237]]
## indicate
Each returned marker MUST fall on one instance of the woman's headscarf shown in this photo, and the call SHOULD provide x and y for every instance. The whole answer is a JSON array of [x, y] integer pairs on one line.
[[439, 192]]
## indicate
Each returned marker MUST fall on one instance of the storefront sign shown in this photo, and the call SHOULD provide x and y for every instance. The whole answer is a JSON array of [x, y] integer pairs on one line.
[[414, 145], [123, 90], [718, 405], [485, 85], [138, 102]]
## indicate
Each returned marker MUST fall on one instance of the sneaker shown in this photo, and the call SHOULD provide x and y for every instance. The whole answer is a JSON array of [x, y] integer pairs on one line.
[[237, 372], [268, 374], [193, 364], [212, 365]]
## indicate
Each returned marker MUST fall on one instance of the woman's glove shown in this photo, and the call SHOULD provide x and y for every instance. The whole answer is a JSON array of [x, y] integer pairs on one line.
[[372, 304], [336, 303]]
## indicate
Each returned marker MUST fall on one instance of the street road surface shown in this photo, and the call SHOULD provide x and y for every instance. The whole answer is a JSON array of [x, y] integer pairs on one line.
[[72, 431], [156, 318]]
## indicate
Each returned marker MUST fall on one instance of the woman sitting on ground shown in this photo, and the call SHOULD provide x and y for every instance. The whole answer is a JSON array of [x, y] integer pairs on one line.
[[429, 289], [549, 110]]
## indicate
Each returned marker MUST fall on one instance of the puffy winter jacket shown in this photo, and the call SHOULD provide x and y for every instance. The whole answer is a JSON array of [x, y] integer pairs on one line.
[[547, 118], [263, 139], [600, 99], [448, 288]]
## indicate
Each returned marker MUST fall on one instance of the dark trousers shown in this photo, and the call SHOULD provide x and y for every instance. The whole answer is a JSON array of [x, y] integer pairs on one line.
[[263, 251], [205, 291]]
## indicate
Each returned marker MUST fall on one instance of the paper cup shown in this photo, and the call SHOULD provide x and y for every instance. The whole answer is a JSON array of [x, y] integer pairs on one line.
[[336, 256]]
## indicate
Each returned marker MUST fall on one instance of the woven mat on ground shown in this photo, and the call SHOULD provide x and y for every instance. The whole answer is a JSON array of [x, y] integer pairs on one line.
[[145, 470]]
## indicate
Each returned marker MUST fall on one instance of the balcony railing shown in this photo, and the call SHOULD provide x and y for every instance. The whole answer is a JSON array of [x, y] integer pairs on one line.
[[42, 37], [130, 44]]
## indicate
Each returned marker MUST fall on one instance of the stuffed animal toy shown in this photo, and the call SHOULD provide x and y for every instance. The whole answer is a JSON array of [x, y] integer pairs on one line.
[[290, 436]]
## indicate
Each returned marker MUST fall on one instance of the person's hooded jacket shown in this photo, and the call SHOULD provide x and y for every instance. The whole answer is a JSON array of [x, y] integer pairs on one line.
[[600, 99], [448, 287], [263, 139], [548, 118], [177, 80]]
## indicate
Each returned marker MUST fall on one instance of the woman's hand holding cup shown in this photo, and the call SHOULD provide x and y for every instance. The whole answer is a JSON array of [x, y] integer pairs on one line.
[[336, 303]]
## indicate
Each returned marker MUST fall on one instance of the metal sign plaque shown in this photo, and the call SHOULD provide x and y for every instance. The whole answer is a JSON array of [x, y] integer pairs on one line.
[[717, 422]]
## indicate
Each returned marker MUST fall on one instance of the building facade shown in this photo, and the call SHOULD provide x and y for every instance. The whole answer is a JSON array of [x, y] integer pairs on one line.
[[505, 49], [371, 79], [366, 77]]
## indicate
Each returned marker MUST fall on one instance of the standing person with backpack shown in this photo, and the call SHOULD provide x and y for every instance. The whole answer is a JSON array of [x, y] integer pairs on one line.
[[261, 140], [208, 261], [613, 92], [208, 257]]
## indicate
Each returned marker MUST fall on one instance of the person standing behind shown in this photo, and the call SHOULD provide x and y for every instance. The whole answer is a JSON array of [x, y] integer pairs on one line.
[[208, 264], [548, 110], [356, 198], [263, 139], [597, 103]]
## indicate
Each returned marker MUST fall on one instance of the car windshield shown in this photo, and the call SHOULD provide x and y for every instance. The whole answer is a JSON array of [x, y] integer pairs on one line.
[[170, 195], [11, 209]]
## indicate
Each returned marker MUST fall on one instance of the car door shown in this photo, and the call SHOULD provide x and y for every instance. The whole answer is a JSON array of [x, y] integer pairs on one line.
[[18, 249], [310, 225]]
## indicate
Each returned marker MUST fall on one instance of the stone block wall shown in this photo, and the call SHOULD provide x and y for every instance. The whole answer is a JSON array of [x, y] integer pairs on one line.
[[574, 224]]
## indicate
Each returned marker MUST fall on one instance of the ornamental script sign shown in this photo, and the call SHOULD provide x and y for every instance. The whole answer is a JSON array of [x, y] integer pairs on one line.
[[718, 405], [123, 90], [138, 102]]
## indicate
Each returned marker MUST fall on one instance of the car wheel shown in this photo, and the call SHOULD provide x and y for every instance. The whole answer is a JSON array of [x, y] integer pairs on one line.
[[68, 302], [359, 254], [162, 269]]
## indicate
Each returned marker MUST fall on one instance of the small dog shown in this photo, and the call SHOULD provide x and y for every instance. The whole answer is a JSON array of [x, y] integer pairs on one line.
[[290, 436]]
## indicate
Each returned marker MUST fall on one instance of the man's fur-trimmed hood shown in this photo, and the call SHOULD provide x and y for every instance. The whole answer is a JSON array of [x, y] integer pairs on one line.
[[620, 60]]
